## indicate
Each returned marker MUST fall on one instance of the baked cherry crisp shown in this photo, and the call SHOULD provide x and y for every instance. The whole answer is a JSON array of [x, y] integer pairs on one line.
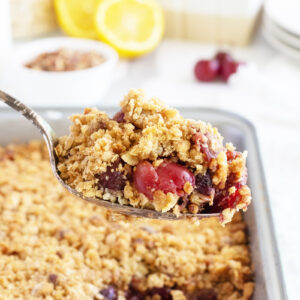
[[56, 247], [149, 156]]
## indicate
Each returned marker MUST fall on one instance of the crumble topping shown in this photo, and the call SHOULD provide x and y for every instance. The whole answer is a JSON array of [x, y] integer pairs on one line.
[[55, 246], [65, 60], [149, 156]]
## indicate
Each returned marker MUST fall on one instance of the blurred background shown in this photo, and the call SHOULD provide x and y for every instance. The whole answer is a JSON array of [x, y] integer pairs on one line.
[[238, 55]]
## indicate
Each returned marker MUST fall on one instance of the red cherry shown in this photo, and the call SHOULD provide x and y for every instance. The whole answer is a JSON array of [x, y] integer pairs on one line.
[[227, 65], [223, 56], [223, 200], [168, 177], [228, 68], [231, 155], [207, 70], [172, 177], [145, 178], [234, 198]]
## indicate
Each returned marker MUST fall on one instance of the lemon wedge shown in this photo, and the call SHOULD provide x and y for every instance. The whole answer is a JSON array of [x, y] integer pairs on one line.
[[76, 17], [132, 27]]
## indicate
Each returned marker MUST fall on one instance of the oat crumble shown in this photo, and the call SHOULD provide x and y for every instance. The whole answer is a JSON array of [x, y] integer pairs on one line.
[[53, 246], [149, 156]]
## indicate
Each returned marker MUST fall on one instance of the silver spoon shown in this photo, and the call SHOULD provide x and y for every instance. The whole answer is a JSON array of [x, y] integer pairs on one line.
[[51, 141]]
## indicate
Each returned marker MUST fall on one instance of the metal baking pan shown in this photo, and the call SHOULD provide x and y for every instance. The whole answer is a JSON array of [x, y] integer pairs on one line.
[[268, 274]]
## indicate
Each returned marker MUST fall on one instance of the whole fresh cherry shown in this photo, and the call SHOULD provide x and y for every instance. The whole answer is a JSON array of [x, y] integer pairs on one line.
[[222, 66], [207, 70], [223, 56], [228, 65], [228, 68]]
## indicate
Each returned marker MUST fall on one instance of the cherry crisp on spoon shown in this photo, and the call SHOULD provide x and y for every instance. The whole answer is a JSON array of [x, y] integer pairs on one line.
[[149, 156]]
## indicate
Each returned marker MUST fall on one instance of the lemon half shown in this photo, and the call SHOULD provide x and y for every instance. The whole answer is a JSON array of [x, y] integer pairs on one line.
[[132, 27], [76, 17]]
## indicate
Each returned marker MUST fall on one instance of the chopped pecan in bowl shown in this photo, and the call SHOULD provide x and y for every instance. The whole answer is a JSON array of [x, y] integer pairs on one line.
[[63, 60]]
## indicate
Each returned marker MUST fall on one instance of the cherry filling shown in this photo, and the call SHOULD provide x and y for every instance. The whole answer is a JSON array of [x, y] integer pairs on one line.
[[172, 177], [204, 184], [165, 294], [167, 177], [199, 140], [230, 201], [223, 200], [145, 179], [231, 155], [111, 179]]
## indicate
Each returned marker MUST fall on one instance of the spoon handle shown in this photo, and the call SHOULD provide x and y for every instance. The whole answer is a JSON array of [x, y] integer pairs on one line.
[[43, 126]]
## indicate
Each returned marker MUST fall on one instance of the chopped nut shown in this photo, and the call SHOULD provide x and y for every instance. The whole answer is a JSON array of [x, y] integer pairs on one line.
[[193, 208], [188, 188], [65, 60], [164, 202]]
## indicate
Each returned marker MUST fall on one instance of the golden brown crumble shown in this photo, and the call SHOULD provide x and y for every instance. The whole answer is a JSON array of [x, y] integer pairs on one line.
[[101, 158], [65, 60], [54, 246]]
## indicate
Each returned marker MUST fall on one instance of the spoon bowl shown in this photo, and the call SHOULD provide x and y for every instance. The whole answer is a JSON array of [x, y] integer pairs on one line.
[[51, 140]]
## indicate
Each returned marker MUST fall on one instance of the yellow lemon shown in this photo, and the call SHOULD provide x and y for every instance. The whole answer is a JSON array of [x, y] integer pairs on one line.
[[132, 27], [76, 17]]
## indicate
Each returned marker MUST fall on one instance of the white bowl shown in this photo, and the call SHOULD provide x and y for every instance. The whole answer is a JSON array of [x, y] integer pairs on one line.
[[81, 87]]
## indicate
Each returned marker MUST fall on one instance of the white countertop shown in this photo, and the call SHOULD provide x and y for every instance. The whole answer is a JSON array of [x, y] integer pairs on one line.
[[267, 93]]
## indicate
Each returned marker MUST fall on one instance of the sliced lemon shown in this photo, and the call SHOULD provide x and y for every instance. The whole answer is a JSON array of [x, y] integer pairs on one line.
[[132, 27], [76, 17]]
